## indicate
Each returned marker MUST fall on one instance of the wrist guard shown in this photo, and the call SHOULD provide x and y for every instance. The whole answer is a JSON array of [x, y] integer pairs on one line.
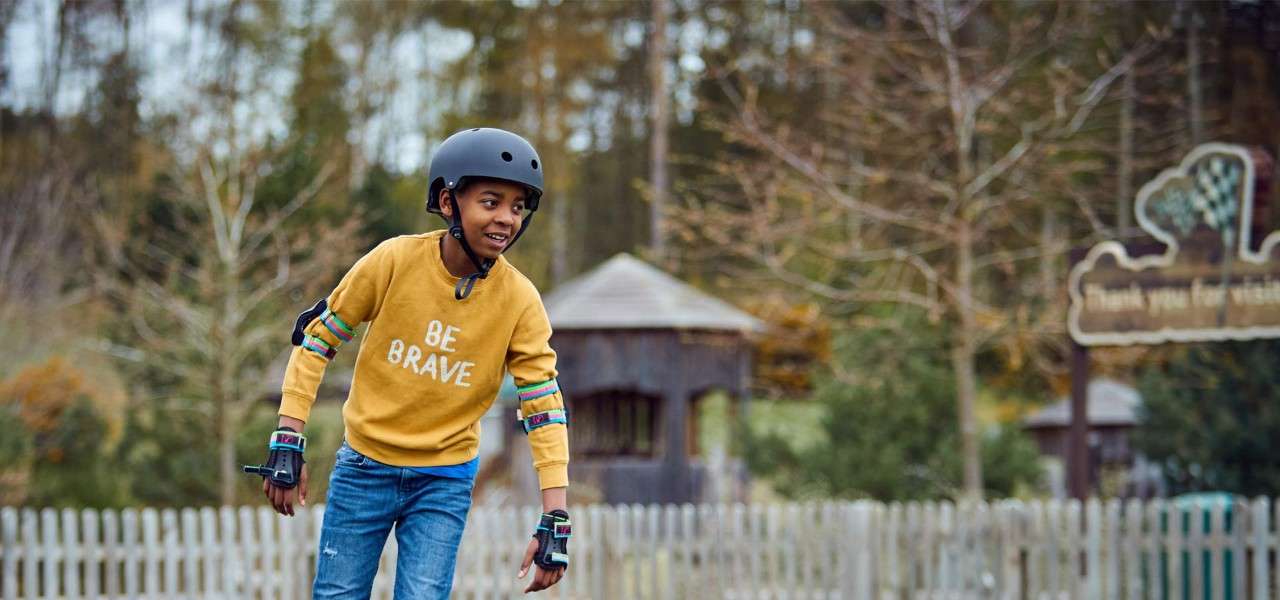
[[553, 540], [284, 461]]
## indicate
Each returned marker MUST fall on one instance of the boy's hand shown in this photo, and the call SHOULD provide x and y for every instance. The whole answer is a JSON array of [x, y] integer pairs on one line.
[[284, 499], [542, 579]]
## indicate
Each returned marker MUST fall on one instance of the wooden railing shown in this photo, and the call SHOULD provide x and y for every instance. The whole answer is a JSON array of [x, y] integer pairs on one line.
[[860, 550]]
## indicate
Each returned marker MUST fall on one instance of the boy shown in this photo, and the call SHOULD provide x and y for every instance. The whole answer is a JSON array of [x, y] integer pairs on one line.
[[447, 313]]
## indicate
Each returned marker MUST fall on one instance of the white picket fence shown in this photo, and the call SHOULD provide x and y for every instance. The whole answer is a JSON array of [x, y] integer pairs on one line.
[[861, 550]]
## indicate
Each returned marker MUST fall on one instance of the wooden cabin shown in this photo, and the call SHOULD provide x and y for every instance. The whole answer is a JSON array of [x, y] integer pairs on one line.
[[637, 350]]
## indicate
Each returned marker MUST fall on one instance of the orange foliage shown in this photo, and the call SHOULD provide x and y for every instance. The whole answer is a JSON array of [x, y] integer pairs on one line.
[[798, 339], [43, 392]]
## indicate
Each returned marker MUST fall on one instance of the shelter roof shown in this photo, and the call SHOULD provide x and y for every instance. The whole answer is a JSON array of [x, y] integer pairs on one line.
[[1110, 403], [627, 293]]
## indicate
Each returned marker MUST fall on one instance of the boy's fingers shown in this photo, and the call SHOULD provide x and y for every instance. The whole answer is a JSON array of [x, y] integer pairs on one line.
[[538, 581], [279, 499], [528, 558], [535, 584], [302, 488]]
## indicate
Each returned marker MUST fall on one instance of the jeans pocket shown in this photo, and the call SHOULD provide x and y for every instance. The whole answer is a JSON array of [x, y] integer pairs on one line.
[[347, 456]]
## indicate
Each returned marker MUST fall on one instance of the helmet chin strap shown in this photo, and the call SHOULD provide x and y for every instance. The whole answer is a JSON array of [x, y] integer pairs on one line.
[[463, 289]]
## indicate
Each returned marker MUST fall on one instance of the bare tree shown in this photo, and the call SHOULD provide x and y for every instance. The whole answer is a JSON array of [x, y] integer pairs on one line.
[[204, 296], [659, 105], [36, 230], [922, 183]]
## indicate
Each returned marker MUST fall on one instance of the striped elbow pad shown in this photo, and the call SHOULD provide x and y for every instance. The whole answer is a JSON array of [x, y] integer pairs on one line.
[[337, 326], [319, 346]]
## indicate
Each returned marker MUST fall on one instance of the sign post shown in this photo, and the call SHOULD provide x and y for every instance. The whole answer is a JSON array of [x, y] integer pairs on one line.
[[1211, 275]]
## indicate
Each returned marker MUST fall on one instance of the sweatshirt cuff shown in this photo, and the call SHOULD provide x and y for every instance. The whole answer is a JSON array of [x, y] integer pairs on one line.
[[298, 406], [553, 476]]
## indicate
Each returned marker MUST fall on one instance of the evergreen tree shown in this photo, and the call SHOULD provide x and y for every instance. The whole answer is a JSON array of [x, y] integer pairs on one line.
[[1209, 417]]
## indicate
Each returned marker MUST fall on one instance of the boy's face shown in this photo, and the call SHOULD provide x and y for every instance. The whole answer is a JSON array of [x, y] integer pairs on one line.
[[492, 212]]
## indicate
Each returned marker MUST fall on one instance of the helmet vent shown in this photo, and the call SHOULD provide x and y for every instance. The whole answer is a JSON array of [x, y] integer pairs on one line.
[[535, 164], [476, 129], [506, 156]]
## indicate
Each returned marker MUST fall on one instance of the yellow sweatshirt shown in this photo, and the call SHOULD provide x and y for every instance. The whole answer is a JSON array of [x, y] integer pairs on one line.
[[430, 366]]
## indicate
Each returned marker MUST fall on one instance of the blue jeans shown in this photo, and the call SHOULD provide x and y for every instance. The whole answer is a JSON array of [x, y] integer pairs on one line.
[[366, 498]]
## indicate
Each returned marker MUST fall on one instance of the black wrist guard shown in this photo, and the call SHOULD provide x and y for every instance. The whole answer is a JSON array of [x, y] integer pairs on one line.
[[284, 461], [553, 540]]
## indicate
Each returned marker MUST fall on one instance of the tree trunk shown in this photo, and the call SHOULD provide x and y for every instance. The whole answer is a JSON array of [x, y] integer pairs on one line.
[[226, 396], [1194, 104], [1124, 184], [658, 142], [226, 456], [1048, 254], [963, 349]]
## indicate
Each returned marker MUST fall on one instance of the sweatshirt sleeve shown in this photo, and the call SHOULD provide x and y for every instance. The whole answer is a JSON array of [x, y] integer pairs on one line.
[[357, 299], [532, 364]]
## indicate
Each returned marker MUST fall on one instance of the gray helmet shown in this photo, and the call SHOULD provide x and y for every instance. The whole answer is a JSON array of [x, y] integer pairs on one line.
[[484, 152]]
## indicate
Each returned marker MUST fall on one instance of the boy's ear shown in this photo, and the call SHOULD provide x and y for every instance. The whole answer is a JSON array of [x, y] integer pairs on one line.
[[446, 206]]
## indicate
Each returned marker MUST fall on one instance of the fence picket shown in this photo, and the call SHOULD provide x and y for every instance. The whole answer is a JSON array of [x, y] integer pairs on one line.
[[674, 547], [210, 564], [49, 551], [1154, 550], [1239, 544], [1075, 549], [288, 542], [1173, 551], [1260, 525], [170, 554], [70, 553], [190, 548], [268, 560], [1133, 550], [1218, 549], [9, 557], [1195, 548], [151, 553], [30, 554], [1112, 560], [131, 551], [1094, 576], [90, 553]]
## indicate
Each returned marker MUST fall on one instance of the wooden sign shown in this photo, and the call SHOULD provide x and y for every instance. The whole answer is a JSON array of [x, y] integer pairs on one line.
[[1206, 278]]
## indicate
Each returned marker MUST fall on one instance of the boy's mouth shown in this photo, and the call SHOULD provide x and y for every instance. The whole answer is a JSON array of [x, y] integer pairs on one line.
[[497, 239]]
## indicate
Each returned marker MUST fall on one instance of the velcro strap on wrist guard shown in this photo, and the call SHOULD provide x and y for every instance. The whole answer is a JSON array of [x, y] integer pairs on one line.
[[536, 420], [287, 439], [284, 459], [553, 533]]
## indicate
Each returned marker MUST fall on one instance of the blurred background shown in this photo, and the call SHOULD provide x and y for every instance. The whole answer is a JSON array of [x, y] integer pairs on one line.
[[869, 205]]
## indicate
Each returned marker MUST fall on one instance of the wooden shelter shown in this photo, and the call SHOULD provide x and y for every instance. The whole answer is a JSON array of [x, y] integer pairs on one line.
[[1113, 416], [637, 350]]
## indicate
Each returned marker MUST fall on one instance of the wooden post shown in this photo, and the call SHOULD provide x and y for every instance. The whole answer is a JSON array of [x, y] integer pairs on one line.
[[1078, 434]]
